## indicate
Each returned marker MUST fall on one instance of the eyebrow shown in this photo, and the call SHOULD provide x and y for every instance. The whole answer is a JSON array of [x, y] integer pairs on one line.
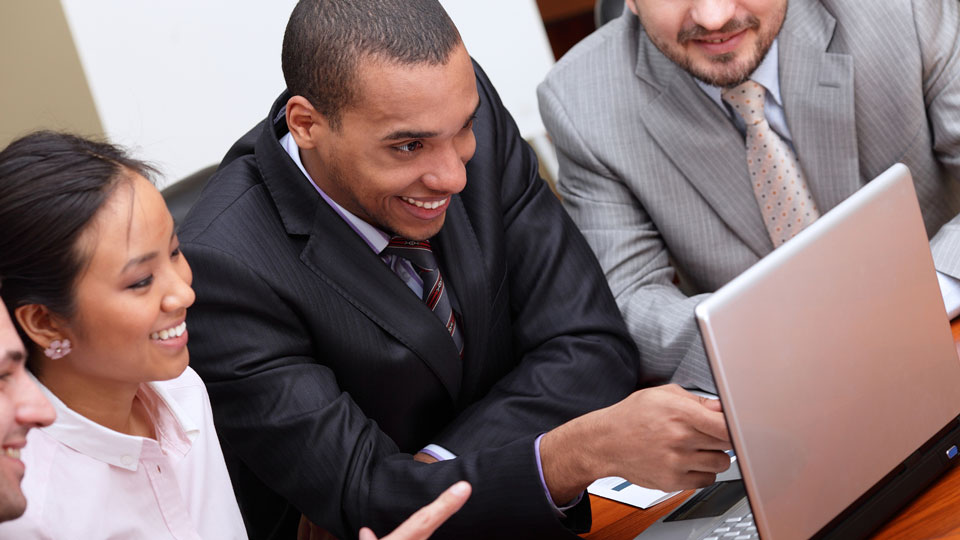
[[407, 134], [14, 355], [144, 258]]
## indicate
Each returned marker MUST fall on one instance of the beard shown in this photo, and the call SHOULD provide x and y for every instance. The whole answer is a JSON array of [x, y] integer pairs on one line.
[[723, 70]]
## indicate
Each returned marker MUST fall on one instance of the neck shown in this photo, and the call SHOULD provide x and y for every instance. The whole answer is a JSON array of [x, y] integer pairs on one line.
[[111, 404]]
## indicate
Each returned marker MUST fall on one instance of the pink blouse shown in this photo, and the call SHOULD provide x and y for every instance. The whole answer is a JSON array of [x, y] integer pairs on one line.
[[83, 480]]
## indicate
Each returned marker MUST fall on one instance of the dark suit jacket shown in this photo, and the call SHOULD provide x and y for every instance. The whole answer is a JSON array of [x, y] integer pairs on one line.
[[326, 372]]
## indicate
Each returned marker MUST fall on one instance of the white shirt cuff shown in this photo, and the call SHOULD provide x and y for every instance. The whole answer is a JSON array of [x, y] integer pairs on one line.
[[438, 452]]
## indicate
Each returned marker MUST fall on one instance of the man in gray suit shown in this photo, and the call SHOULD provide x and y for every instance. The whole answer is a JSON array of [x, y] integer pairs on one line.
[[653, 162]]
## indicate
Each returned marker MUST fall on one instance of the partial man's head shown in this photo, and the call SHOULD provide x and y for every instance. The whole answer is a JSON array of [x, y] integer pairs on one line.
[[720, 42], [22, 407], [382, 108]]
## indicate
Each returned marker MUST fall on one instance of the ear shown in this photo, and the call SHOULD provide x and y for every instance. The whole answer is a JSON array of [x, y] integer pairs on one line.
[[632, 4], [40, 325], [307, 126]]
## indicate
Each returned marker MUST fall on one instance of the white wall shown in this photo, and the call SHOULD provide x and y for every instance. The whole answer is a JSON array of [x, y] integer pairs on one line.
[[178, 81], [507, 38]]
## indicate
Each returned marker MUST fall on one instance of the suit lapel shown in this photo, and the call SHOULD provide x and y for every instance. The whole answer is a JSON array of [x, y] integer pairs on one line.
[[339, 256], [818, 88], [462, 264], [702, 142]]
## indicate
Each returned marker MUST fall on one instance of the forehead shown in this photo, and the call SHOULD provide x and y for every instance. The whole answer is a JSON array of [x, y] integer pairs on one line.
[[133, 217], [428, 95]]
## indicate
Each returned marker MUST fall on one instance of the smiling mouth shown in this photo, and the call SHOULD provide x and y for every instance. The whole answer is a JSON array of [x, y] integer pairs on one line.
[[170, 333], [428, 205], [12, 452], [723, 40]]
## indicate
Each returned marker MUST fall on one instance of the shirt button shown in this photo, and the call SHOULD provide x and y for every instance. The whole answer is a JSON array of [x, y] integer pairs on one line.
[[127, 461]]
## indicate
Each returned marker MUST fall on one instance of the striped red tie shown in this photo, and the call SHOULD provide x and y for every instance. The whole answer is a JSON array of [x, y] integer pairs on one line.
[[435, 295]]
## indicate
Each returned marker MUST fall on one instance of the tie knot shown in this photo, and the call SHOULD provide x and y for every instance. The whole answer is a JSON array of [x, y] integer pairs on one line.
[[418, 252], [747, 100], [401, 242]]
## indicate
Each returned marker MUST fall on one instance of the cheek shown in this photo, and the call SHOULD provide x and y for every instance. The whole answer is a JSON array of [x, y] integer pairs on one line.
[[665, 22], [116, 325], [7, 412], [768, 12]]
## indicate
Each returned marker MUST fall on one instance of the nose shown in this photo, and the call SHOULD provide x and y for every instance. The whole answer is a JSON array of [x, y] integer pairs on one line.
[[448, 173], [180, 295], [32, 408], [713, 14]]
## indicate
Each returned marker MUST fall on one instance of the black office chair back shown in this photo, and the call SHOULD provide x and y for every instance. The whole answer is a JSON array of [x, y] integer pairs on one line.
[[606, 10], [181, 196]]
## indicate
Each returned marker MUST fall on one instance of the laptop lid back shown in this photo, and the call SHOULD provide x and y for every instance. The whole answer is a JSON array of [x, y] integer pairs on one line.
[[834, 358]]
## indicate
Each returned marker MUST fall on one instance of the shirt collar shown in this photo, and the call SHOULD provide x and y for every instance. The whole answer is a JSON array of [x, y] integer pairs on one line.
[[767, 75], [175, 430], [375, 238]]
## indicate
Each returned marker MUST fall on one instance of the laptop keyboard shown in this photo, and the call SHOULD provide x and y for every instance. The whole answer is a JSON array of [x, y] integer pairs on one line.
[[735, 528]]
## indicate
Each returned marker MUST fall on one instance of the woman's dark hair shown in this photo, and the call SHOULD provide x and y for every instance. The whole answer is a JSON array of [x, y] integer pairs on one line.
[[51, 187]]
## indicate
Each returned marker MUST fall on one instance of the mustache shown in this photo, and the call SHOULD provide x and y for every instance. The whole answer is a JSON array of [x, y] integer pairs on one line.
[[750, 22]]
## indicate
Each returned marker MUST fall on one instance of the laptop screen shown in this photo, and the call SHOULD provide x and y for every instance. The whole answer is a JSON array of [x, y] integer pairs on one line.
[[834, 359]]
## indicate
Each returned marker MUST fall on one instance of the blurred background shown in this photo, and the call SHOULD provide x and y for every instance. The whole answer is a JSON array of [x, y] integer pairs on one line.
[[179, 81]]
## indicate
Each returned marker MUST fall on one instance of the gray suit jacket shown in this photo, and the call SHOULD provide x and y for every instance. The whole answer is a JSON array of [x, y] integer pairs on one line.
[[654, 172]]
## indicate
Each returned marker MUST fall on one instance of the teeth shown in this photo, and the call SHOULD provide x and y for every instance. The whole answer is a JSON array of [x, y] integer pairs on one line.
[[176, 331], [13, 453], [420, 204]]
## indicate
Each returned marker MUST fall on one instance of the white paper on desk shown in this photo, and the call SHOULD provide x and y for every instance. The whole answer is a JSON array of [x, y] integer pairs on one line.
[[620, 490]]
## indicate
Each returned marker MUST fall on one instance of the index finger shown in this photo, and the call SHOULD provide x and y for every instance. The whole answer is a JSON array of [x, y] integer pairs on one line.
[[423, 522]]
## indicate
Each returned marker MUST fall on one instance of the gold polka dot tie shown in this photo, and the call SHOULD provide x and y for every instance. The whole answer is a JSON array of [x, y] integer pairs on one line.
[[782, 193]]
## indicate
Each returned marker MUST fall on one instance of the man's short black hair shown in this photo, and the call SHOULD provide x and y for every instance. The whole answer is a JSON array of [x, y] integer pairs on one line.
[[325, 41]]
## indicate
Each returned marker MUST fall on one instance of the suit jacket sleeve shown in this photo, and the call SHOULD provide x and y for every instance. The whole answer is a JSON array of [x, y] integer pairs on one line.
[[938, 30], [574, 353], [632, 253], [288, 421]]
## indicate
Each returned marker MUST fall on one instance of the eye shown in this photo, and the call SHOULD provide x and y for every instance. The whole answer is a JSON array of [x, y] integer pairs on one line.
[[145, 282], [409, 147], [175, 253]]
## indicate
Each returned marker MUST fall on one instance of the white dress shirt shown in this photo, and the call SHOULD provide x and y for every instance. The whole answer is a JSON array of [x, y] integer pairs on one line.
[[83, 480], [767, 75]]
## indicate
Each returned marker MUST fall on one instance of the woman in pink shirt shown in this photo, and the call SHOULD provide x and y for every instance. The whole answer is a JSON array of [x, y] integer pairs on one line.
[[97, 286]]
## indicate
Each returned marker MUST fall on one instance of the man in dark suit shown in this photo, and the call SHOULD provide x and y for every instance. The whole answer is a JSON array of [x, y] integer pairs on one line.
[[380, 272]]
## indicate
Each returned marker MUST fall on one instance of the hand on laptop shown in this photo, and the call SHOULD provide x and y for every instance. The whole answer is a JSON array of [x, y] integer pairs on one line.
[[663, 437]]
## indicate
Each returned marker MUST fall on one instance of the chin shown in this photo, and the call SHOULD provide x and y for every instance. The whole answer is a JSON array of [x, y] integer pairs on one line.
[[421, 232], [724, 71], [174, 368], [12, 505]]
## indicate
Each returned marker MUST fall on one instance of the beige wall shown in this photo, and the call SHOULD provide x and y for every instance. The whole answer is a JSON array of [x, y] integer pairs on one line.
[[42, 83]]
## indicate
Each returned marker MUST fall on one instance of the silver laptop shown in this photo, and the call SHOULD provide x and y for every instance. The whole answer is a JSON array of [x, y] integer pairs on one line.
[[839, 377]]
